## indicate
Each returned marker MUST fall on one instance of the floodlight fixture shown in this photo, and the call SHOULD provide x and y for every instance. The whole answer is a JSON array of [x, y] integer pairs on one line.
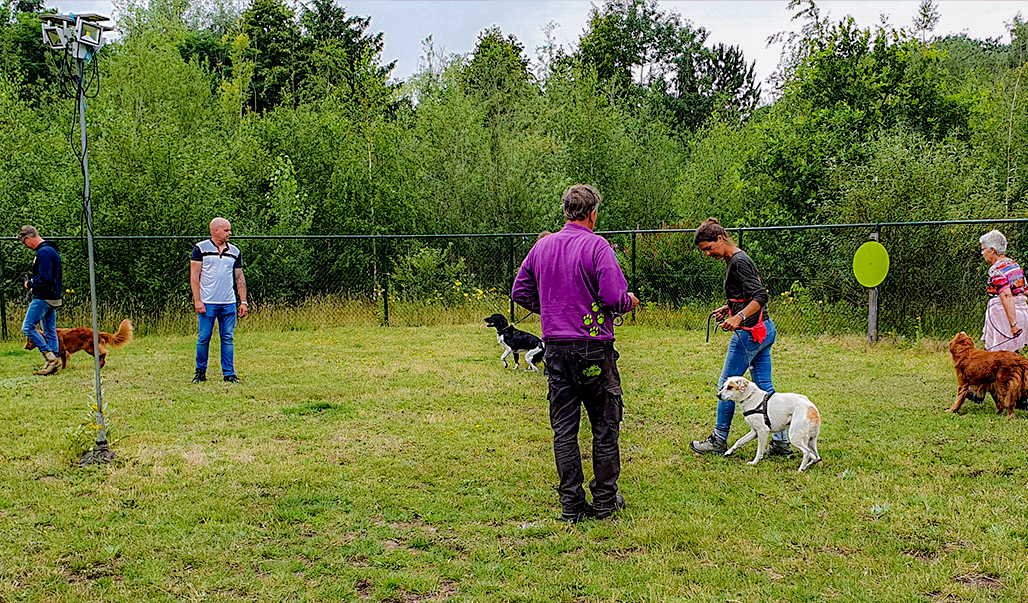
[[56, 29], [90, 32], [81, 35], [53, 37]]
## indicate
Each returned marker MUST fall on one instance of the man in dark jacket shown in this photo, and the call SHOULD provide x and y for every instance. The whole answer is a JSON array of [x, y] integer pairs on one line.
[[46, 286]]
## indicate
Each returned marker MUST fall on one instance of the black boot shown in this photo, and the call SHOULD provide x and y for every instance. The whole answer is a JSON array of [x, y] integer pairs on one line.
[[582, 513], [606, 510]]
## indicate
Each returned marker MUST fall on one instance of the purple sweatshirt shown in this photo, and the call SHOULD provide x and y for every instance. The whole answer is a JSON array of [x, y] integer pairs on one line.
[[573, 280]]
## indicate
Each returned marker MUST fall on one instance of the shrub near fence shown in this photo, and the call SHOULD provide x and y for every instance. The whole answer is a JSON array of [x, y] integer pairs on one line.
[[935, 284]]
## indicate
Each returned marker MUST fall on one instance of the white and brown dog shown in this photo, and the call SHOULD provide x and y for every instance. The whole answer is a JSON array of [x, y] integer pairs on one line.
[[768, 413]]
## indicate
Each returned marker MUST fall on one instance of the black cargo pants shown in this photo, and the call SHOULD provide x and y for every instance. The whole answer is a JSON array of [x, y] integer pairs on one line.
[[585, 373]]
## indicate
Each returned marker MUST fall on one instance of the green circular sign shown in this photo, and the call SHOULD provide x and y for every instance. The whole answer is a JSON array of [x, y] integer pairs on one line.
[[871, 264]]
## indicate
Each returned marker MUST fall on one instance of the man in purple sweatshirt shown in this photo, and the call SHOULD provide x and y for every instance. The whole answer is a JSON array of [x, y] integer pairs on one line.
[[573, 280]]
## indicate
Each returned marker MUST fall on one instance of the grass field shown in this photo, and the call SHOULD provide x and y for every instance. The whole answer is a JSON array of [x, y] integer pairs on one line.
[[404, 464]]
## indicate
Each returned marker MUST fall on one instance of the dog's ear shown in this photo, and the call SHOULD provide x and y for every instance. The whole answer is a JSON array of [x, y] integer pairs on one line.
[[736, 384]]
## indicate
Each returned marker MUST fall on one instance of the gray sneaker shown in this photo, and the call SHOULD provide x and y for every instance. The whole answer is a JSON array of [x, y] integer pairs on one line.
[[712, 445], [779, 448]]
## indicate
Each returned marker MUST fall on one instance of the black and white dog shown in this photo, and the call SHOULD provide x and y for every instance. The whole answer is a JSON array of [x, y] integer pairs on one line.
[[516, 342]]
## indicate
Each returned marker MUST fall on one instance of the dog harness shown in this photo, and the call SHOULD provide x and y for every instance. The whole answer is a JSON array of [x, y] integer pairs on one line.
[[762, 409]]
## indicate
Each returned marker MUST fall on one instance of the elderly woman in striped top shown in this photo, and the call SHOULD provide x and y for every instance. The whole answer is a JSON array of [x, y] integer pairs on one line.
[[1007, 311]]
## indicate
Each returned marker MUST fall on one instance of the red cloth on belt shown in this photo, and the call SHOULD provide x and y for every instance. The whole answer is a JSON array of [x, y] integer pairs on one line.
[[759, 332]]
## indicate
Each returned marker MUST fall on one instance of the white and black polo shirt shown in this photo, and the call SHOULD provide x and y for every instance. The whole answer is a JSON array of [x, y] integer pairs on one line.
[[217, 276]]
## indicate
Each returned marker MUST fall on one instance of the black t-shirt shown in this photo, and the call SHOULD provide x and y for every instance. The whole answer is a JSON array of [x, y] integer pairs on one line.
[[742, 282]]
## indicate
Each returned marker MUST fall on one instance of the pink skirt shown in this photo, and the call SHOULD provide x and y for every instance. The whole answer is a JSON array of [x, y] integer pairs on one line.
[[996, 332]]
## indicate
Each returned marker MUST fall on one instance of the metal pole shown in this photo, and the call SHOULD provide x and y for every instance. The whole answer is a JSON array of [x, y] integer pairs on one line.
[[634, 290], [383, 270], [872, 308], [101, 451], [3, 301], [510, 274]]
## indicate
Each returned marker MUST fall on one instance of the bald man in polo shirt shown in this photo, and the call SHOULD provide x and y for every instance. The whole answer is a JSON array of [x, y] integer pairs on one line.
[[215, 272]]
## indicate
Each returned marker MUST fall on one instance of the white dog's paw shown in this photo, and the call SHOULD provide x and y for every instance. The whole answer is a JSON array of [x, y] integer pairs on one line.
[[753, 462], [730, 452]]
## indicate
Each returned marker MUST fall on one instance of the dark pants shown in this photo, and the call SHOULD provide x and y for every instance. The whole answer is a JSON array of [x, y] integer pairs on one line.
[[585, 373]]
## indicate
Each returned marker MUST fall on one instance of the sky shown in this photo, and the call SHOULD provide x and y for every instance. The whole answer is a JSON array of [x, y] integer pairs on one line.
[[456, 24]]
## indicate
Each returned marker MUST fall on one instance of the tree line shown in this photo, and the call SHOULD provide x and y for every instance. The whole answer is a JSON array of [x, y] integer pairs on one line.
[[287, 121]]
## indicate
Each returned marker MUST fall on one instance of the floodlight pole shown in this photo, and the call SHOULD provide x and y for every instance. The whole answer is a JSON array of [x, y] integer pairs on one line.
[[101, 451], [81, 36]]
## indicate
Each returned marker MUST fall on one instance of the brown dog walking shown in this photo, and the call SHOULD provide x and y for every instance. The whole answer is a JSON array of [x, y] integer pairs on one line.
[[81, 338], [1002, 374]]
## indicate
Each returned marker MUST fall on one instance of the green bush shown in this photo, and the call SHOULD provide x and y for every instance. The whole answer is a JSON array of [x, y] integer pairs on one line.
[[431, 274]]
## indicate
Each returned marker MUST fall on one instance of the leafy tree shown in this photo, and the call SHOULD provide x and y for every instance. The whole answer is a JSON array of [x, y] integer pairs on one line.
[[675, 70], [339, 49], [964, 58], [846, 86], [21, 50], [274, 37], [497, 74], [925, 20], [209, 49]]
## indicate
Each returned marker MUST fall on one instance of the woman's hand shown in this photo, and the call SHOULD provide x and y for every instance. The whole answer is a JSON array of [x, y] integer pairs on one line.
[[720, 313], [732, 324], [1015, 331]]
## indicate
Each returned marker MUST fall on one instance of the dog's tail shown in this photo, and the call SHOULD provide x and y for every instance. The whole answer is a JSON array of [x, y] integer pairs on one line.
[[122, 337], [1021, 399]]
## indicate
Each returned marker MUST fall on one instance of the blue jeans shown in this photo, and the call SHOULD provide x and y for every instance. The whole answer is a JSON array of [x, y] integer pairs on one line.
[[745, 353], [225, 314], [41, 312]]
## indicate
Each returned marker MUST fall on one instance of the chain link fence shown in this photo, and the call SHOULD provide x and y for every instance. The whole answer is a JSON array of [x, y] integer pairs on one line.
[[935, 286]]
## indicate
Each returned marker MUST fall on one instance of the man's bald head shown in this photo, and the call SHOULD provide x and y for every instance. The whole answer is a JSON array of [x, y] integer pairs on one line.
[[221, 230]]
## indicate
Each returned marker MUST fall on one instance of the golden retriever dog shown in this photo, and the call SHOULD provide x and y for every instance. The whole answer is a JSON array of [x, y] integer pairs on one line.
[[70, 341], [1002, 374]]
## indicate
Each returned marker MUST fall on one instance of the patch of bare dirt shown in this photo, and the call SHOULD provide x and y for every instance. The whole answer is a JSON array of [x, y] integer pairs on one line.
[[979, 581]]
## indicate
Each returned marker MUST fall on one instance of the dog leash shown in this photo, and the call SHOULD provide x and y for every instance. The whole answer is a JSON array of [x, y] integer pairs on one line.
[[992, 324], [719, 321]]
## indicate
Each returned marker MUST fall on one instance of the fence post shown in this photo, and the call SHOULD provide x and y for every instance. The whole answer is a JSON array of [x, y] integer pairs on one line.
[[634, 290], [383, 261], [872, 307], [739, 242], [510, 273], [3, 300]]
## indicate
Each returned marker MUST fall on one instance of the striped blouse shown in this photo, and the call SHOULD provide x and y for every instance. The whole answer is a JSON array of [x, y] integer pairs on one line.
[[1003, 274]]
